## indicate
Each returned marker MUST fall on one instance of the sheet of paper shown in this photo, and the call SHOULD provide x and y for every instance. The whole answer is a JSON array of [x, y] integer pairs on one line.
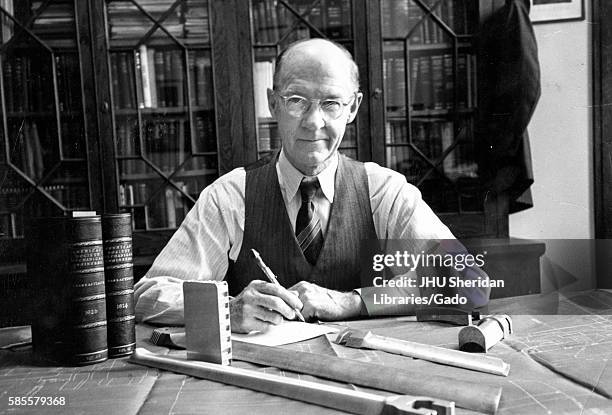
[[288, 332]]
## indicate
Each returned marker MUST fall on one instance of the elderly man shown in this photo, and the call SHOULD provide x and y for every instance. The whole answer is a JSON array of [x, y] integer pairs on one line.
[[310, 211]]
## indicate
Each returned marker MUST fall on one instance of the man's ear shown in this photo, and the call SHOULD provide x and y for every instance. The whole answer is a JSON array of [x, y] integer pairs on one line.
[[354, 107], [272, 102]]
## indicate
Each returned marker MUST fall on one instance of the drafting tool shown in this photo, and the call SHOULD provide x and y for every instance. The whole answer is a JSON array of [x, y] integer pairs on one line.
[[488, 332], [325, 395], [466, 394], [367, 340], [207, 321], [270, 275]]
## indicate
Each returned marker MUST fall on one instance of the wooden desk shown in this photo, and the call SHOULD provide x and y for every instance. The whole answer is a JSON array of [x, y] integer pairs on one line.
[[559, 364]]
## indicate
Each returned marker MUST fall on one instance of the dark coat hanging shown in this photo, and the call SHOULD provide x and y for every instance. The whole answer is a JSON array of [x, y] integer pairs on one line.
[[511, 89]]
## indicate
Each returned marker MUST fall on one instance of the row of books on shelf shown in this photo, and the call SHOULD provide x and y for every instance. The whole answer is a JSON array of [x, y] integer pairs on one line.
[[404, 160], [167, 143], [188, 19], [269, 139], [31, 151], [432, 81], [29, 87], [68, 85], [162, 77], [272, 19], [400, 17], [433, 140], [55, 20], [70, 196], [28, 83], [154, 208]]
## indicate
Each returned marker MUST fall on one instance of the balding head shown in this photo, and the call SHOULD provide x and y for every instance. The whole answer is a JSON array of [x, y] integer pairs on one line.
[[311, 51]]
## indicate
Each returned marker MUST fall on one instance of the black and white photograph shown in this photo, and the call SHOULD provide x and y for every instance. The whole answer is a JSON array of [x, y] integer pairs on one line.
[[306, 207]]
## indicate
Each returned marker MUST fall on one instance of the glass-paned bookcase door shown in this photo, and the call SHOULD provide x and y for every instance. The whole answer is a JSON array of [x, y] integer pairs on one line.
[[43, 161], [276, 24], [430, 86], [163, 107]]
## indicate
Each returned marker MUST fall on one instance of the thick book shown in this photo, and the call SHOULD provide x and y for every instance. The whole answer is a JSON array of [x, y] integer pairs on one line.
[[66, 269], [119, 283]]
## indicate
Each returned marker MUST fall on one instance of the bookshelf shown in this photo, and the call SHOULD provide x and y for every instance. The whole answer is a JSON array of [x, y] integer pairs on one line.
[[44, 128], [162, 108], [431, 100]]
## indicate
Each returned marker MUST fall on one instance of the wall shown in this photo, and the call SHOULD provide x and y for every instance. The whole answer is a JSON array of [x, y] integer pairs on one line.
[[561, 145]]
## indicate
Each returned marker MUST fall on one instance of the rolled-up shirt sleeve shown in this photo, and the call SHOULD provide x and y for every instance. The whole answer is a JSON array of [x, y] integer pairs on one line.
[[199, 250]]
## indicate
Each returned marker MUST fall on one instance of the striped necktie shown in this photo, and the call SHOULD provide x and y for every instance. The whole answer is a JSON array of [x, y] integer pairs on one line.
[[308, 224]]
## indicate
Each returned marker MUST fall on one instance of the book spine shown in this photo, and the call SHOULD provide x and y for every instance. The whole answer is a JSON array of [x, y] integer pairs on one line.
[[462, 81], [114, 67], [152, 76], [160, 79], [334, 17], [88, 313], [145, 76], [119, 282], [124, 80], [19, 87], [272, 20], [399, 78], [179, 77], [69, 319], [449, 86], [426, 80], [389, 25], [437, 82], [169, 81], [9, 85]]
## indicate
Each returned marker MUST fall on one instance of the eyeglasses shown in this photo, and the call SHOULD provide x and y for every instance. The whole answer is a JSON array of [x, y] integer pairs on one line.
[[297, 106]]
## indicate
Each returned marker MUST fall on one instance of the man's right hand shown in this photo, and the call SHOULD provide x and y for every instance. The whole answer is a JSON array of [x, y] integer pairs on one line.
[[261, 304]]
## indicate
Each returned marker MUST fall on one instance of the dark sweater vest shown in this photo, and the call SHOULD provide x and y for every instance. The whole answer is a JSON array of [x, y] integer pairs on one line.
[[268, 230]]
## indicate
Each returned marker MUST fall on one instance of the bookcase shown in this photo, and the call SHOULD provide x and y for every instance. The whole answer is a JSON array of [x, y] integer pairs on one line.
[[137, 105], [162, 108], [44, 96], [430, 77]]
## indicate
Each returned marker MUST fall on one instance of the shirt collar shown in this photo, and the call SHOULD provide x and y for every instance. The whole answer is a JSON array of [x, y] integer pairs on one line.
[[290, 177]]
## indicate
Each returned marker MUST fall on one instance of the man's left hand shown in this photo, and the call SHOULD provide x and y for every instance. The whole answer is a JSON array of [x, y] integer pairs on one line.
[[324, 304]]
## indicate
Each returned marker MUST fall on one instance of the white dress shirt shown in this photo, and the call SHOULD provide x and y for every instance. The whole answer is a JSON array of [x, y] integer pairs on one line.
[[212, 232]]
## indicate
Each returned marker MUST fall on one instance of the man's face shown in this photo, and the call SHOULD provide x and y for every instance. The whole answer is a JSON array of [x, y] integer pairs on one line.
[[309, 141]]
